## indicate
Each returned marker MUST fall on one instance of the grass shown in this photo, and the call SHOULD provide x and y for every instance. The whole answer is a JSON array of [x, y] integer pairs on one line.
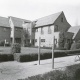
[[24, 50]]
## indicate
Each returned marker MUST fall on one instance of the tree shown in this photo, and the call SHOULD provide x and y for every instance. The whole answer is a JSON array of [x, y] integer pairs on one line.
[[61, 39]]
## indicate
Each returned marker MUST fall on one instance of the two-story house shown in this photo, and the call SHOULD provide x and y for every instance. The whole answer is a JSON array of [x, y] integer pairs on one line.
[[5, 30], [28, 33], [16, 25], [49, 26]]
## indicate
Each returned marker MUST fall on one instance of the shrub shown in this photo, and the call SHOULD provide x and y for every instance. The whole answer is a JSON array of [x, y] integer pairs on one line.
[[70, 73], [6, 57], [34, 57], [16, 48], [75, 45], [67, 46]]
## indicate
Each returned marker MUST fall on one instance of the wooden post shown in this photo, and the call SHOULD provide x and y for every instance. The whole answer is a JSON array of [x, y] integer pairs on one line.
[[53, 53], [39, 50]]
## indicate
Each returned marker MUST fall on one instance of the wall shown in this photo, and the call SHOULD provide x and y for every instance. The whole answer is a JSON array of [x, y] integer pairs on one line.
[[5, 33], [48, 37]]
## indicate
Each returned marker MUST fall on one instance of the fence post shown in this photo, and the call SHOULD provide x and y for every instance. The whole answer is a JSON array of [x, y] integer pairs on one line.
[[39, 50], [53, 53]]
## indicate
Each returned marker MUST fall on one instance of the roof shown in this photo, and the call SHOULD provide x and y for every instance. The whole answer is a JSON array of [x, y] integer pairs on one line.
[[48, 20], [69, 35], [4, 22], [18, 21], [74, 30]]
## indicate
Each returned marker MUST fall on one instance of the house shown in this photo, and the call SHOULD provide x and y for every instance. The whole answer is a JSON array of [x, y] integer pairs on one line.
[[49, 26], [16, 25], [5, 30], [28, 33], [76, 31]]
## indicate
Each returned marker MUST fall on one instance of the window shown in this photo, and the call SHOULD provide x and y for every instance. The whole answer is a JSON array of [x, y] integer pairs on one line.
[[5, 29], [42, 32], [37, 30], [56, 28], [35, 40], [49, 30], [61, 19], [55, 41], [42, 40]]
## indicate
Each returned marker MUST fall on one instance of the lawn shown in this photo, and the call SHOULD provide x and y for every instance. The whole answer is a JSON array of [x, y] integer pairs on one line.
[[24, 50]]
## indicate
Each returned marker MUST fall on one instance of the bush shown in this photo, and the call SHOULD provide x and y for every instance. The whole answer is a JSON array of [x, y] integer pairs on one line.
[[75, 45], [70, 73], [67, 46], [2, 43], [34, 57], [16, 48], [6, 57]]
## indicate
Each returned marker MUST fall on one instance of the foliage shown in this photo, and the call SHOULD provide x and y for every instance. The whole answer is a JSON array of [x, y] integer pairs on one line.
[[34, 57], [70, 73], [6, 57], [75, 45], [67, 46], [61, 39], [16, 48]]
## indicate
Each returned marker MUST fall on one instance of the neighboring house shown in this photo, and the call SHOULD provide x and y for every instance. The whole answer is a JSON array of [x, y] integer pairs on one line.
[[76, 31], [28, 33], [16, 25], [48, 26], [4, 30]]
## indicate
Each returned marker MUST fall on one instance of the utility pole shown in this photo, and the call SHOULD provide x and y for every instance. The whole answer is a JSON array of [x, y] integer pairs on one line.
[[39, 50], [53, 53]]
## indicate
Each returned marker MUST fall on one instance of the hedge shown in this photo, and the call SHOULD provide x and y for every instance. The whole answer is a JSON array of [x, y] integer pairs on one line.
[[69, 73], [6, 57], [33, 57]]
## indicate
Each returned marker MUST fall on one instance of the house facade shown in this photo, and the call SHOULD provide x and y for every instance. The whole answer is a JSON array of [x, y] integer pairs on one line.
[[16, 25], [28, 33], [5, 30], [50, 26]]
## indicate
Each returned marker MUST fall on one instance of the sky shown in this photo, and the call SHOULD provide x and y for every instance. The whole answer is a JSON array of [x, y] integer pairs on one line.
[[34, 9]]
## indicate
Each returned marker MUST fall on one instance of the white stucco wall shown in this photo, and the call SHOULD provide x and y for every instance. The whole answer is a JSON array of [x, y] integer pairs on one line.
[[48, 37]]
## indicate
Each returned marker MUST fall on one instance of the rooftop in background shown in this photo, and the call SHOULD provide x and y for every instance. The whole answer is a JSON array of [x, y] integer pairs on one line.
[[74, 30], [47, 20], [4, 22], [18, 21]]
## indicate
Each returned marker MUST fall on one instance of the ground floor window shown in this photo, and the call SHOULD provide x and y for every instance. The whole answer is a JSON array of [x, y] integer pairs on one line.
[[42, 40]]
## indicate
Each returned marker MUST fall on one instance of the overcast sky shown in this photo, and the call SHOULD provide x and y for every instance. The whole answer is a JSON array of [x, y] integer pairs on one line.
[[34, 9]]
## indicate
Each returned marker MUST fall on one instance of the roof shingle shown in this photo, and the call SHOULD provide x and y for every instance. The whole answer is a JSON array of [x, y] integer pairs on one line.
[[4, 22], [18, 21], [47, 20], [74, 30]]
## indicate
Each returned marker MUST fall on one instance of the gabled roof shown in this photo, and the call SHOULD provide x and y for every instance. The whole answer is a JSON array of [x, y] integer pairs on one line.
[[48, 20], [18, 21], [4, 22], [74, 30]]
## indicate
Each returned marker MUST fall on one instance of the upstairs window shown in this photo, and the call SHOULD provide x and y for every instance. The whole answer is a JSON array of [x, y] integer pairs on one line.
[[42, 32], [37, 30], [5, 29], [61, 19], [56, 28], [49, 30]]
